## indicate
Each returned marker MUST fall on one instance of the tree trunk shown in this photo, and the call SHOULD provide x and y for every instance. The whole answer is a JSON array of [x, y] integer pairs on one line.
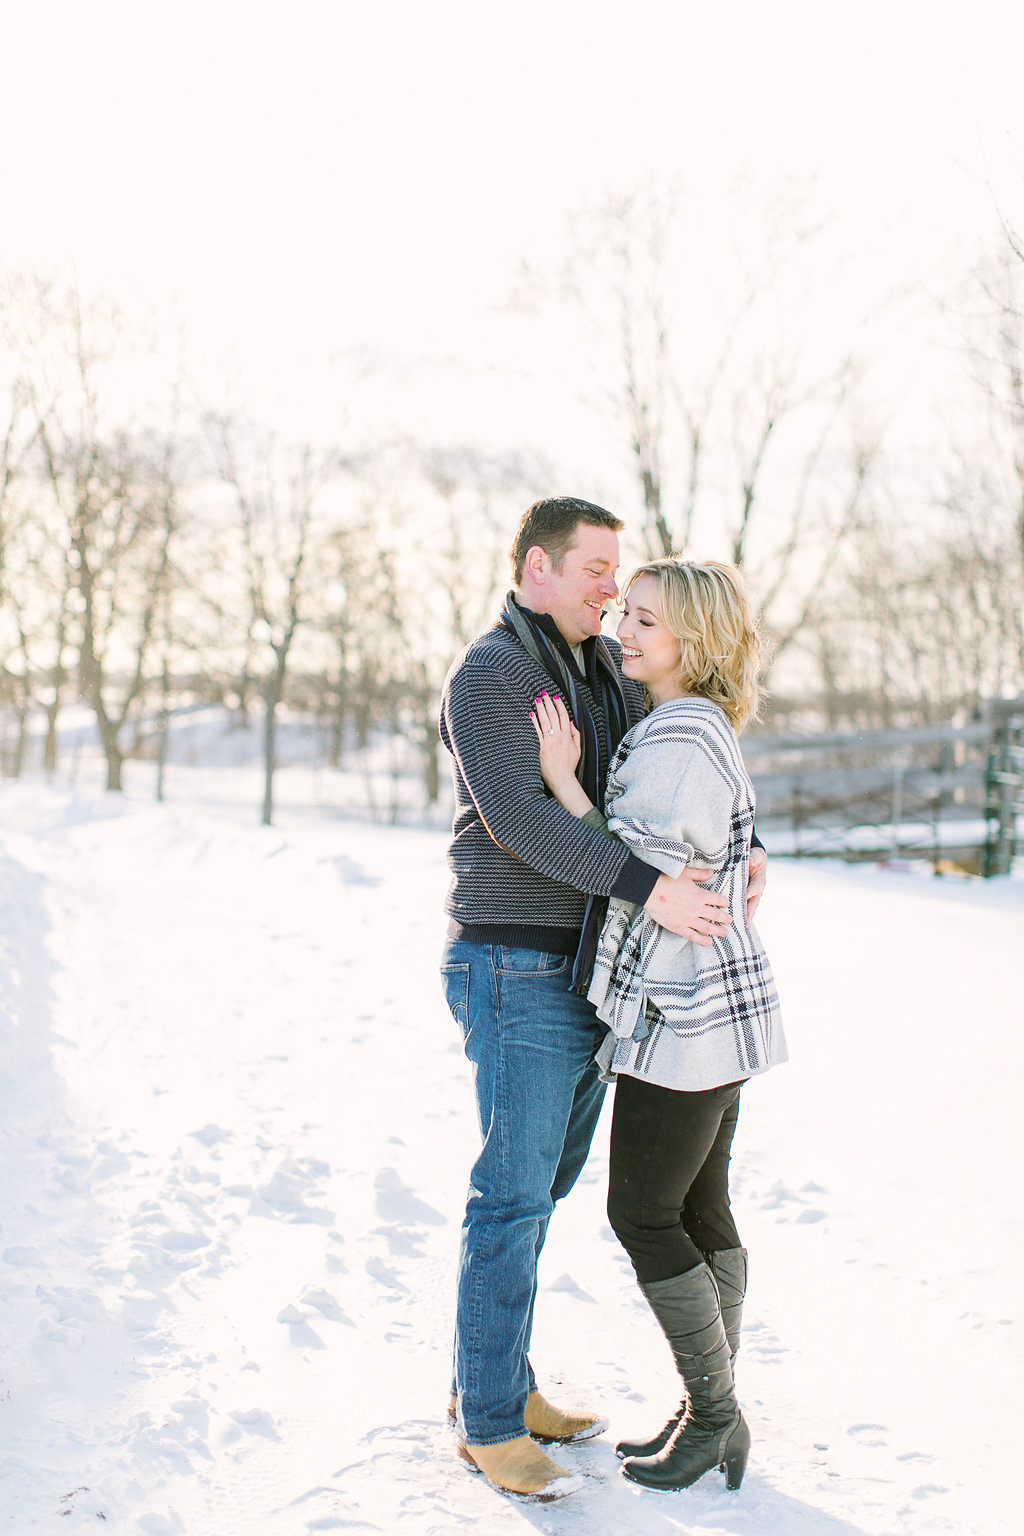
[[161, 740], [53, 708], [21, 741], [431, 760], [272, 694], [269, 750], [50, 744], [115, 760]]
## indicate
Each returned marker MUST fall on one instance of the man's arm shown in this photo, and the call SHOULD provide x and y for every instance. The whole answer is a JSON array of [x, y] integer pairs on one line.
[[486, 725]]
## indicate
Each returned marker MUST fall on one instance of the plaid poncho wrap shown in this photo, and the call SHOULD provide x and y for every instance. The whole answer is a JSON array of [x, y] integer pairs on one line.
[[678, 794]]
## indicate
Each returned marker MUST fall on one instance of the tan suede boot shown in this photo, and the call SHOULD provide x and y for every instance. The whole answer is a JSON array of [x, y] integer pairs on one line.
[[520, 1470], [550, 1425]]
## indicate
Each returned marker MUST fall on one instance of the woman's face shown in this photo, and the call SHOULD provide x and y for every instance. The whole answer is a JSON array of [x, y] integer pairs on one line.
[[651, 654]]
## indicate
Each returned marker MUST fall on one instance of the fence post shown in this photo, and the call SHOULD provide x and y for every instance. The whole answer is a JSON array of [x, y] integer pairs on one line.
[[1004, 786], [898, 775]]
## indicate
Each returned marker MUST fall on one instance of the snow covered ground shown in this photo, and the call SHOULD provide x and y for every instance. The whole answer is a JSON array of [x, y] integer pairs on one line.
[[235, 1125]]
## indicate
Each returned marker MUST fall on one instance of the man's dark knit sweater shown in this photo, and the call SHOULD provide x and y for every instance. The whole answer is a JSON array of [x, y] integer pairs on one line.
[[520, 862]]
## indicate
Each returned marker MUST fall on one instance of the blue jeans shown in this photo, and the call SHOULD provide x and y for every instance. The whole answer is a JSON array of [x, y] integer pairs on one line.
[[531, 1042]]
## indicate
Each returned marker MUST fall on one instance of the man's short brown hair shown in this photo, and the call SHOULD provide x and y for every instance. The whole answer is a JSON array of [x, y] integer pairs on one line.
[[552, 524]]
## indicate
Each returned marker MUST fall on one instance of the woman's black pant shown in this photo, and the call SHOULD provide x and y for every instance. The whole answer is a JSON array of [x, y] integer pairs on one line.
[[668, 1195]]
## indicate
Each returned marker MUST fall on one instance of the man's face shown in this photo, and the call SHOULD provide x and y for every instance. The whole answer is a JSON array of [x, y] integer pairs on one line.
[[575, 595]]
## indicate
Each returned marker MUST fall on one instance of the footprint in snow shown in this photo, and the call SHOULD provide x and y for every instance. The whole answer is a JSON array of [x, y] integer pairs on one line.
[[328, 1521], [71, 1306], [161, 1525], [314, 1299], [141, 1313], [380, 1271], [184, 1242], [23, 1258], [193, 1412], [569, 1285], [396, 1202], [299, 1331], [351, 873], [255, 1421], [334, 1262], [779, 1197], [111, 1161], [210, 1135], [325, 1304], [336, 1523], [868, 1434], [401, 1243], [290, 1187], [417, 1431]]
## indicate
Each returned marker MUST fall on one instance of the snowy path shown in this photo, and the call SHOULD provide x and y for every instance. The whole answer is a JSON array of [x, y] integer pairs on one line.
[[236, 1130]]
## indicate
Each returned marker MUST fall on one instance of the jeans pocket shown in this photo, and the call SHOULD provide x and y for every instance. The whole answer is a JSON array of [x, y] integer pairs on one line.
[[529, 962], [455, 980]]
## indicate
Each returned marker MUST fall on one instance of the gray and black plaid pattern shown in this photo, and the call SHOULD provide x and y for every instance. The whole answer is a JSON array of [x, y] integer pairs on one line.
[[657, 991]]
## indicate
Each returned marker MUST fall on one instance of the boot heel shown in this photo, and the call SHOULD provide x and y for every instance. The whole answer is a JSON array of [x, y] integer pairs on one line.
[[737, 1451], [734, 1468]]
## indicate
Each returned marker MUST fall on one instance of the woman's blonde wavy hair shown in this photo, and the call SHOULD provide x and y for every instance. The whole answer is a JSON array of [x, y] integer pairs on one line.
[[723, 654]]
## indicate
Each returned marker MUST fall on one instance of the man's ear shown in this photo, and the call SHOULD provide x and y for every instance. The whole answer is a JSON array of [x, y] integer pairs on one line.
[[538, 563]]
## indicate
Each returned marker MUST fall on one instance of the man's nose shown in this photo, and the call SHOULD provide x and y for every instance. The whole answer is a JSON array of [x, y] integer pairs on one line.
[[609, 588]]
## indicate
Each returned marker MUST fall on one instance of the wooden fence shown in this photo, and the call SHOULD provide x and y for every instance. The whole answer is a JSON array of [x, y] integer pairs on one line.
[[954, 794]]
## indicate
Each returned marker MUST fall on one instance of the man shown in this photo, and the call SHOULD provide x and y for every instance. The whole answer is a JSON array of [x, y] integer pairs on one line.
[[523, 869]]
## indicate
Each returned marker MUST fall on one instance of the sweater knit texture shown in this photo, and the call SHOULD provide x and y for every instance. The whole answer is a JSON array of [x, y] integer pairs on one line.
[[520, 863], [683, 1015]]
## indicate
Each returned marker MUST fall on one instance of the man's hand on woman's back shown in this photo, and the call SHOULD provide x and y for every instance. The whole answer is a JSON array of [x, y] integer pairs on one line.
[[684, 906]]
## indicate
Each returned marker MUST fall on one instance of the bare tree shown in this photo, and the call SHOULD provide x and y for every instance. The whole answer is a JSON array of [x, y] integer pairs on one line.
[[982, 467], [915, 625], [476, 498], [735, 430], [18, 433], [17, 442], [997, 352], [275, 488], [112, 496], [121, 503]]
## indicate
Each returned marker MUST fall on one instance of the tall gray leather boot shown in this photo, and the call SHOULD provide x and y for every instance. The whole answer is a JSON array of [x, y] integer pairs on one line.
[[713, 1432], [729, 1267]]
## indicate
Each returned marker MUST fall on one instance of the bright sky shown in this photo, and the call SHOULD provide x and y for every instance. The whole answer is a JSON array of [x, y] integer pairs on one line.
[[301, 178]]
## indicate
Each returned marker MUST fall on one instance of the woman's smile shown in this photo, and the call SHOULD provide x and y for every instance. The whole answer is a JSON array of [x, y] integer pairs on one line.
[[656, 663]]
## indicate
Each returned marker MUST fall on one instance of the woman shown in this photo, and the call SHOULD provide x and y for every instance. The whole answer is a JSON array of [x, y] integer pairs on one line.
[[687, 1025]]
